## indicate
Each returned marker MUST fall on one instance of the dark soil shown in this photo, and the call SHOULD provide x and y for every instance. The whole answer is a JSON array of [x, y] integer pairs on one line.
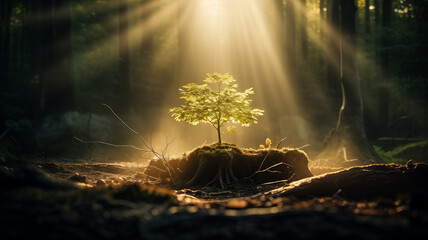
[[370, 202]]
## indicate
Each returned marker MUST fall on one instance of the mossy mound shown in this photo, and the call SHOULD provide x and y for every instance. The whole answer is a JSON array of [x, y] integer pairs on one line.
[[226, 164]]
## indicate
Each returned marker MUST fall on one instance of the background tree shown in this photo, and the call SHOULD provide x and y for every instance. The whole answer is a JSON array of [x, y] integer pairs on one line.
[[349, 136], [6, 9], [333, 63], [321, 26], [367, 16], [59, 88], [384, 66], [290, 39], [125, 81], [304, 29]]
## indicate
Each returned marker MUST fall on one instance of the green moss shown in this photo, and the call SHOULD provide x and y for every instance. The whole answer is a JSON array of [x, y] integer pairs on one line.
[[416, 151], [216, 151]]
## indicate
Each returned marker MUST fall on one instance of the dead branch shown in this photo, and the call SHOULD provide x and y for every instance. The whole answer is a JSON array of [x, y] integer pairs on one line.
[[112, 144]]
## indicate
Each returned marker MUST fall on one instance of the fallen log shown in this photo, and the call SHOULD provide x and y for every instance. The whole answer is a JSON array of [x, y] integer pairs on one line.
[[362, 182]]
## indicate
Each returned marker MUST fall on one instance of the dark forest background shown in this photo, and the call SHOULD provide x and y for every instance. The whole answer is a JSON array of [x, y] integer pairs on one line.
[[60, 59]]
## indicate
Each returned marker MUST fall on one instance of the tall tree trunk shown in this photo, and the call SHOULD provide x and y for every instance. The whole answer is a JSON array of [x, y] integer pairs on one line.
[[349, 136], [147, 40], [60, 93], [185, 12], [384, 63], [56, 59], [125, 96], [5, 35], [277, 21], [377, 12], [290, 40], [367, 16], [47, 78], [304, 29], [321, 26], [34, 43], [333, 63], [144, 72]]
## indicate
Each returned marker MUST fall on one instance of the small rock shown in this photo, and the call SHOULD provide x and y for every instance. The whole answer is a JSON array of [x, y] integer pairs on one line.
[[101, 183], [77, 178]]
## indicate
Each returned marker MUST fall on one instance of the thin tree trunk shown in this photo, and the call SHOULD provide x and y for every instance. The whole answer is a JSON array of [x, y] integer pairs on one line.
[[143, 72], [367, 16], [321, 26], [33, 31], [147, 41], [384, 63], [47, 58], [186, 36], [2, 7], [350, 126], [219, 133], [349, 137], [333, 63], [183, 24], [377, 12], [304, 29], [59, 94], [125, 96], [5, 24], [22, 42], [290, 39]]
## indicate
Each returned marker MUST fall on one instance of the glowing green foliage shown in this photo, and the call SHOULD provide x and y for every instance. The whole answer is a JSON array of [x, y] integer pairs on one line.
[[216, 106]]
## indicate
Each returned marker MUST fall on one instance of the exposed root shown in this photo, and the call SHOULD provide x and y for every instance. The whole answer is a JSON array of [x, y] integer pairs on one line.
[[223, 176], [225, 165]]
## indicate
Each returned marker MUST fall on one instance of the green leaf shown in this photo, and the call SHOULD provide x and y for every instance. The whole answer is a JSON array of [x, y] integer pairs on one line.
[[224, 104]]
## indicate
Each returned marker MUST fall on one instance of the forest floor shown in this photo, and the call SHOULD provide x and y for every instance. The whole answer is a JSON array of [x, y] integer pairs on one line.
[[62, 200]]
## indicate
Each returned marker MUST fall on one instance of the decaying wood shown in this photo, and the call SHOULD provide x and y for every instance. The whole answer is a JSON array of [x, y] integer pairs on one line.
[[362, 182]]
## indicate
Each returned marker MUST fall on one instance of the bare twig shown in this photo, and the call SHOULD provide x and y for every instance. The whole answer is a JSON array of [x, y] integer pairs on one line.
[[345, 157], [260, 167], [151, 166], [269, 168], [148, 145], [157, 155], [111, 144], [167, 144], [280, 141], [281, 163], [307, 145], [280, 181], [130, 129]]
